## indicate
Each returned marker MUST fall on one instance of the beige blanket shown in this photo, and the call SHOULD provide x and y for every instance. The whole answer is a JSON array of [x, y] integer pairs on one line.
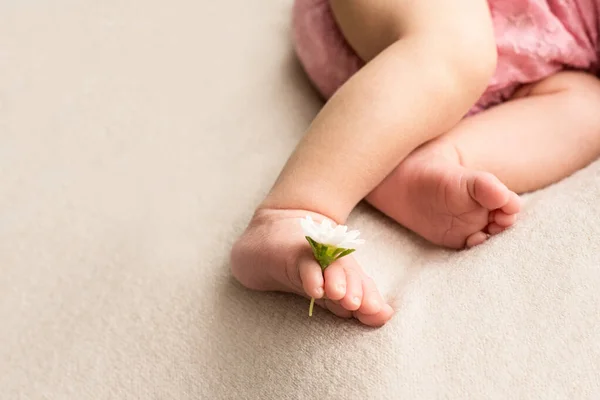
[[135, 140]]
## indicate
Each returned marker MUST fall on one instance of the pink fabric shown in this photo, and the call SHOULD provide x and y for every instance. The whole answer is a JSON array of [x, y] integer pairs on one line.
[[535, 39]]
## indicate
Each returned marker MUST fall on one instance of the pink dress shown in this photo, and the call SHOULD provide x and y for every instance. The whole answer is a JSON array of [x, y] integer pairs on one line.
[[535, 39]]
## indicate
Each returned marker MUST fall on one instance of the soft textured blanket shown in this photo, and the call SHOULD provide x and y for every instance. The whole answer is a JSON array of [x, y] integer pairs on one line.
[[135, 140]]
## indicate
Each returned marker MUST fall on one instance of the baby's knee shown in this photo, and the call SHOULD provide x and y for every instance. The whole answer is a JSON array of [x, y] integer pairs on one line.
[[466, 46]]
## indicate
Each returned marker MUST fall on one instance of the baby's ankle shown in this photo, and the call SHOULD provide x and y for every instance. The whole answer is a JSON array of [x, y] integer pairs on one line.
[[439, 149], [331, 206], [264, 214]]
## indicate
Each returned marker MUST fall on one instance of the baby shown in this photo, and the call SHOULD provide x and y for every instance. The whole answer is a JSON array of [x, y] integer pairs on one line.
[[439, 113]]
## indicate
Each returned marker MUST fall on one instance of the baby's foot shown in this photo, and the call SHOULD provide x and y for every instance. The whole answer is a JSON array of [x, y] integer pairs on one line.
[[273, 255], [446, 203]]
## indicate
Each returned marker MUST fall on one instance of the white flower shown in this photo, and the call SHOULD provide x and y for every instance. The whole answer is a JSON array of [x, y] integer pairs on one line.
[[326, 234], [328, 244]]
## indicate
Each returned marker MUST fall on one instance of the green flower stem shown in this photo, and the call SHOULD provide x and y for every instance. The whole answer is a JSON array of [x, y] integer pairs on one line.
[[325, 256]]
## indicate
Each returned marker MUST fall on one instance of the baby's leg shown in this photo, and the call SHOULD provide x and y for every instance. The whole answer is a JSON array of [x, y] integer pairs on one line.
[[420, 58], [549, 130]]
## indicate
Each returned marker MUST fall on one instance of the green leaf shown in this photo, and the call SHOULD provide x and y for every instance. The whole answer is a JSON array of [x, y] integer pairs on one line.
[[323, 251], [313, 244], [326, 255], [338, 251], [345, 253]]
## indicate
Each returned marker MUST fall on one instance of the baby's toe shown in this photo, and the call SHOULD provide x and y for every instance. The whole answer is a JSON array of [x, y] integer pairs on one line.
[[384, 315], [335, 281], [334, 307], [487, 190], [494, 228], [338, 309], [513, 206], [372, 301], [354, 294], [476, 239], [503, 219], [311, 277]]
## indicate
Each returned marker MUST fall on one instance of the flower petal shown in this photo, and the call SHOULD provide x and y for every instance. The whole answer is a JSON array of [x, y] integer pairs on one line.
[[351, 244], [309, 227], [325, 233], [340, 230], [352, 235]]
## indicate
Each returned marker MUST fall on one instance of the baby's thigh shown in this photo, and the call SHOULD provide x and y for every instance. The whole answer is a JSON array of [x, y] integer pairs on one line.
[[581, 84], [580, 90]]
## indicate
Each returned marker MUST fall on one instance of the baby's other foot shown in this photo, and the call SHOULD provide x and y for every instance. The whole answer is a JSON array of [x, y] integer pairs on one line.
[[273, 255], [444, 202]]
